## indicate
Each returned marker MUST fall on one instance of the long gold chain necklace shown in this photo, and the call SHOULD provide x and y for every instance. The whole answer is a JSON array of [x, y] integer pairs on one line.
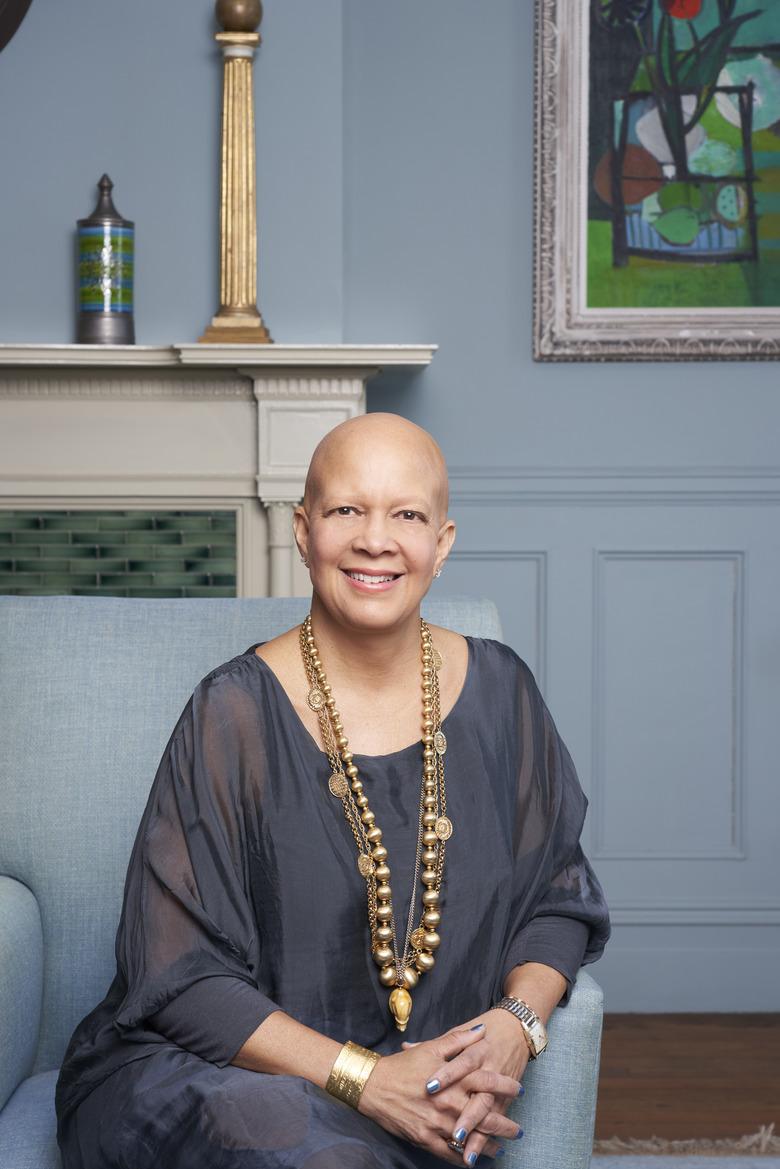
[[398, 970]]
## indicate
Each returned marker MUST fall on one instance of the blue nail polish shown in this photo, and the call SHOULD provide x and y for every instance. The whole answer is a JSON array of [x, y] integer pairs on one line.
[[460, 1135], [517, 1135], [433, 1085], [521, 1091], [472, 1158], [479, 1027]]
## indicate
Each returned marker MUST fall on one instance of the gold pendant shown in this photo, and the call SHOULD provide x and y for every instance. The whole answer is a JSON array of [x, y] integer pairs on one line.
[[438, 660], [443, 828], [401, 1006], [418, 937], [365, 864], [315, 698], [338, 784], [440, 742]]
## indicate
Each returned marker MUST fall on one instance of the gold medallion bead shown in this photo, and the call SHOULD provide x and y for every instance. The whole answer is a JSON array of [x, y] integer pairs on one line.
[[431, 940], [430, 897], [379, 852], [425, 962], [388, 976], [382, 873], [444, 828], [417, 938], [383, 955], [411, 977], [429, 819], [384, 892], [316, 699], [428, 876], [429, 856], [384, 933], [431, 918], [384, 913], [338, 785], [365, 865]]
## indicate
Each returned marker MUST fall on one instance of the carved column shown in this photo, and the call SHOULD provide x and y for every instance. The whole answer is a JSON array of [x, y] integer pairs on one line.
[[281, 548], [238, 320]]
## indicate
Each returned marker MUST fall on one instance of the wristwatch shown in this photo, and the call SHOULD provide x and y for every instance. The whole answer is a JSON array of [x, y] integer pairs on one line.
[[533, 1028]]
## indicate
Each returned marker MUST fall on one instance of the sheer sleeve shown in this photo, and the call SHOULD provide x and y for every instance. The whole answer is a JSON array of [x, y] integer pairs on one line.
[[187, 943], [559, 912]]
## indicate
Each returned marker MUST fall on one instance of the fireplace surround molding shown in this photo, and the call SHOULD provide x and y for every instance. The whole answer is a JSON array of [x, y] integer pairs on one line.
[[183, 426]]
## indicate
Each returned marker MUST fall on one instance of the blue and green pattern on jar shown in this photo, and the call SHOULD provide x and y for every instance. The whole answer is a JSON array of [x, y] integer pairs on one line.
[[106, 261]]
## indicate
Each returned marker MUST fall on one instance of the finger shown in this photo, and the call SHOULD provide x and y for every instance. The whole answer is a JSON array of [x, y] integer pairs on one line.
[[458, 1058], [480, 1115], [487, 1145], [406, 1044], [478, 1145], [489, 1080]]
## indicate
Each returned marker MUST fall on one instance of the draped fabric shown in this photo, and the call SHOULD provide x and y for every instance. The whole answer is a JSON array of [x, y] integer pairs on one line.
[[243, 897]]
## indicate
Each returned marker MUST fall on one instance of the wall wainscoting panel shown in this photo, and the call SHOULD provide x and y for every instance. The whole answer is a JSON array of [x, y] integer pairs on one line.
[[667, 701], [661, 666], [517, 582]]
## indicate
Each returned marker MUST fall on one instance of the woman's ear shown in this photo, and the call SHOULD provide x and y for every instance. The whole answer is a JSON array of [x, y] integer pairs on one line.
[[301, 532], [444, 542]]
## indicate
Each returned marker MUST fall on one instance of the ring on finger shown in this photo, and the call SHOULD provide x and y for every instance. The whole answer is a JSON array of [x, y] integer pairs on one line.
[[457, 1146]]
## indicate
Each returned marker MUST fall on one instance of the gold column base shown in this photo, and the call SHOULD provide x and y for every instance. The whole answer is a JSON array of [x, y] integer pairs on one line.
[[236, 329]]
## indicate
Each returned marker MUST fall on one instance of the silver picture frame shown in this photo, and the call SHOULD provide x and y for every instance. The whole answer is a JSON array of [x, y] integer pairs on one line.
[[564, 328]]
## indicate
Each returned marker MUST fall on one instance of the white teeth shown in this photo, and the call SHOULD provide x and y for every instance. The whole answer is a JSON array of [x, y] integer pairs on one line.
[[370, 579]]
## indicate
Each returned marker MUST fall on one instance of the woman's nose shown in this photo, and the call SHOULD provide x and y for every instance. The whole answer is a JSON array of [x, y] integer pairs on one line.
[[375, 536]]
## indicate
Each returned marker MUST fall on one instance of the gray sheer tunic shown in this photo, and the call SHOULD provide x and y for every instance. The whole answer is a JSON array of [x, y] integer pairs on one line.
[[243, 897]]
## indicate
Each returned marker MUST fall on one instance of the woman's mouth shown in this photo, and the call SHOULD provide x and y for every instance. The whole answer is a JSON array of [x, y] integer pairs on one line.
[[373, 581]]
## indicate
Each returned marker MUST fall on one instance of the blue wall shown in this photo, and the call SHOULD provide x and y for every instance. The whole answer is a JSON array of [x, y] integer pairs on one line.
[[625, 516]]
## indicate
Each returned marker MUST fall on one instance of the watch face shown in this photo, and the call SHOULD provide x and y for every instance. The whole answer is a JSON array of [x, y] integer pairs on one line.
[[12, 13]]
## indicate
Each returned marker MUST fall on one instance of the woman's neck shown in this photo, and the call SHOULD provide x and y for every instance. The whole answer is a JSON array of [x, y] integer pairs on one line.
[[380, 658]]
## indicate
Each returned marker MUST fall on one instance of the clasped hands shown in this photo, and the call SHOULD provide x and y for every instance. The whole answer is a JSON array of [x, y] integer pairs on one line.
[[478, 1072]]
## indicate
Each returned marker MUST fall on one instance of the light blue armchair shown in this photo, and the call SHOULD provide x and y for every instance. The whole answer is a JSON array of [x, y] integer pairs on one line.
[[90, 689]]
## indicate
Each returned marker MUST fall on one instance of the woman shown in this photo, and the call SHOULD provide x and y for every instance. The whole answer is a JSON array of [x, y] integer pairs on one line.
[[278, 1002]]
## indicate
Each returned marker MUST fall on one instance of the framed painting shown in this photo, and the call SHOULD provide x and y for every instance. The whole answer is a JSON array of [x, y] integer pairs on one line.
[[657, 180]]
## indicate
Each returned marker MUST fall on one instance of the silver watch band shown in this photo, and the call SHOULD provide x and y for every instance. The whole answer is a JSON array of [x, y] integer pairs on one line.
[[533, 1027]]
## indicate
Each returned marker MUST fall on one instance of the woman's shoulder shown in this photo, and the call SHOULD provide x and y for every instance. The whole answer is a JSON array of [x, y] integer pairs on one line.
[[490, 659]]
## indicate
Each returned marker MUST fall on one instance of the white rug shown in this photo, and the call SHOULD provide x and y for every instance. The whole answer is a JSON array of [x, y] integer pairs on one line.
[[633, 1162]]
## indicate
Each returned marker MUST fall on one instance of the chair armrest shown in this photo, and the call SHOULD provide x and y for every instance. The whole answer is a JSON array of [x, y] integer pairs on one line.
[[21, 983], [558, 1111]]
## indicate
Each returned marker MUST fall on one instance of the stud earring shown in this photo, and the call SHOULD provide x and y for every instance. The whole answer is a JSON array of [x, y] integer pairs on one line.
[[437, 573]]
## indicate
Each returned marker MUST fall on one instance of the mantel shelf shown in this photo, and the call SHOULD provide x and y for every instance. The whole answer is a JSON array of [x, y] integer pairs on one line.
[[230, 357]]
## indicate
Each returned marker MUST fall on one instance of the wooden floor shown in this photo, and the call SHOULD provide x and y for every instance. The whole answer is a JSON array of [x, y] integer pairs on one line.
[[688, 1076]]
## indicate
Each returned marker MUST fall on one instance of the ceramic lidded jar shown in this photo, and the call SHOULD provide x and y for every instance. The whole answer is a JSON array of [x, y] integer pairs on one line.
[[106, 263]]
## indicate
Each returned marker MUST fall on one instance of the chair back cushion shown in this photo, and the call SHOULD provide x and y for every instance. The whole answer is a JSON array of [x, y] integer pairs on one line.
[[90, 690]]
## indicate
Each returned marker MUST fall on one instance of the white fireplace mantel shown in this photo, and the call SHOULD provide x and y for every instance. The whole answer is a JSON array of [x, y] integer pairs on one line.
[[183, 426]]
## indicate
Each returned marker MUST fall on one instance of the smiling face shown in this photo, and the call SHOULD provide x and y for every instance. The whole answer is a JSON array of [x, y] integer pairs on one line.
[[373, 524]]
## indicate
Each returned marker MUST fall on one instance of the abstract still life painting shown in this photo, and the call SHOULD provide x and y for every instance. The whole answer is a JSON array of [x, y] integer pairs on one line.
[[657, 179]]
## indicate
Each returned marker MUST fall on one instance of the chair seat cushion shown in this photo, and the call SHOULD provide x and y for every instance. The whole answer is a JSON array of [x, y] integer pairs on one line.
[[28, 1126]]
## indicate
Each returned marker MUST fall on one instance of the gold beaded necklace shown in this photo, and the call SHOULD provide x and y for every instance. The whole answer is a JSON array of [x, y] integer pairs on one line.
[[398, 970]]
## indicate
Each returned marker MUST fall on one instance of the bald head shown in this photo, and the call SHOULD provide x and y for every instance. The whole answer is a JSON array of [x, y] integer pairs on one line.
[[367, 439]]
